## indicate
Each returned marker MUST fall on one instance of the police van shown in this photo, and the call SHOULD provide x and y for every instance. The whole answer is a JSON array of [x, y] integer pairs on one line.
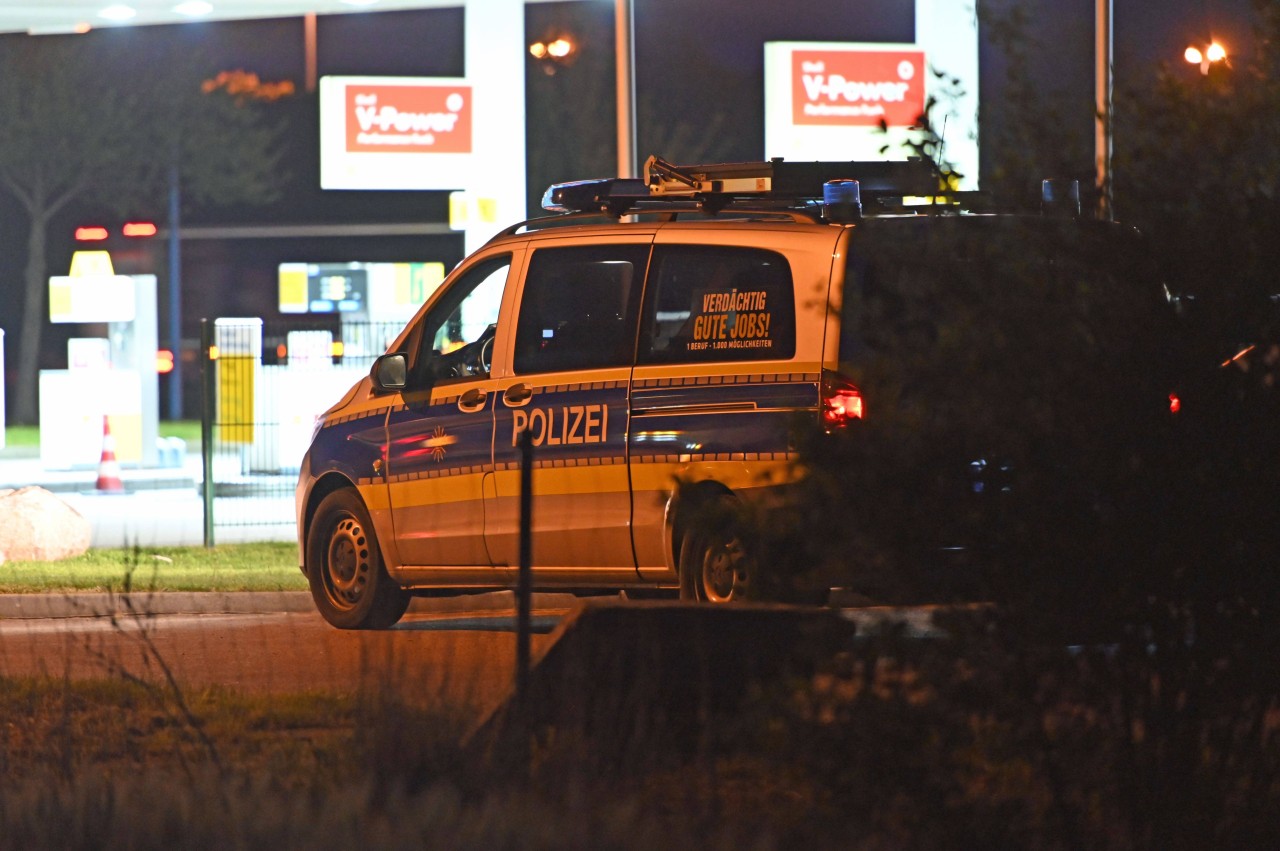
[[653, 331]]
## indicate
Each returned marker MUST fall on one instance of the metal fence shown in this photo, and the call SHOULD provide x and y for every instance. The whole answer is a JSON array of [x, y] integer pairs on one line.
[[264, 383]]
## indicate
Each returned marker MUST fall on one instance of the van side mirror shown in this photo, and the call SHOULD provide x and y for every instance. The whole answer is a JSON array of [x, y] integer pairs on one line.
[[389, 373]]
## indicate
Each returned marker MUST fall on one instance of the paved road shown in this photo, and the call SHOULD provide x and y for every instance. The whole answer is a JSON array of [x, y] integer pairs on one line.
[[456, 652]]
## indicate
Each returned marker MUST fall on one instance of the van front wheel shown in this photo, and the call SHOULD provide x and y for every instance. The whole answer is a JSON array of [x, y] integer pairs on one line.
[[349, 583], [715, 567]]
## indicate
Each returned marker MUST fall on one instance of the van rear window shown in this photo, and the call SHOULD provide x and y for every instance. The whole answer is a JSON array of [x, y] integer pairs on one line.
[[707, 304]]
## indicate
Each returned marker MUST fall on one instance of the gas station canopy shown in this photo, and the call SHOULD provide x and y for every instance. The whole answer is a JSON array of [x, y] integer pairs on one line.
[[52, 17]]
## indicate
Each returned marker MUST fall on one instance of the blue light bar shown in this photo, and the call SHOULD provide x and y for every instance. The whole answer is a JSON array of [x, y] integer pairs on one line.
[[602, 194], [842, 200], [714, 186]]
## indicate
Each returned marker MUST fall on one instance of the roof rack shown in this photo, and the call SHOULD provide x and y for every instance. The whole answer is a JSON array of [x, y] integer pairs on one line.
[[763, 185], [668, 211]]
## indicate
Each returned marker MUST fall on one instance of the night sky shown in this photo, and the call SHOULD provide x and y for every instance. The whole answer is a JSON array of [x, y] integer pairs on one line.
[[694, 59]]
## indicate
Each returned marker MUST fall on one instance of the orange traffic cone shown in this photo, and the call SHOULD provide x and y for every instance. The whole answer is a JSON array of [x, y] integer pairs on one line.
[[108, 468]]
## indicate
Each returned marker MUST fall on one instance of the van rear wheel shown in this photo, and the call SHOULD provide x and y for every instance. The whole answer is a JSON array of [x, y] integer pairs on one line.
[[348, 581], [715, 566]]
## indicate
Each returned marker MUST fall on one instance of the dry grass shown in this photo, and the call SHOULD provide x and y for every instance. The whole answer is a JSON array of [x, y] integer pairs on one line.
[[111, 765], [885, 744]]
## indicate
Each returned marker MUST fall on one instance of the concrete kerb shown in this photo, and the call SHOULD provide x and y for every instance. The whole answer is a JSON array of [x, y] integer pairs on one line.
[[20, 471]]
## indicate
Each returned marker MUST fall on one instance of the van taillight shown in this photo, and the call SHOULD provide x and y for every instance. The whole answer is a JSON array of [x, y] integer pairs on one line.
[[841, 402]]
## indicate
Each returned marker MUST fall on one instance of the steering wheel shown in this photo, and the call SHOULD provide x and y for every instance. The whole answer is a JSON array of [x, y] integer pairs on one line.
[[479, 355], [472, 359]]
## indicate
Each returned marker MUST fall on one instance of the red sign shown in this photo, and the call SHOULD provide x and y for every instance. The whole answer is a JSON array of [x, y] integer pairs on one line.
[[412, 119], [857, 88]]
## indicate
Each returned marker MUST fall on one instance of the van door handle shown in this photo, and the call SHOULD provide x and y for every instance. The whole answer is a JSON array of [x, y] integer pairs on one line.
[[471, 401], [517, 395]]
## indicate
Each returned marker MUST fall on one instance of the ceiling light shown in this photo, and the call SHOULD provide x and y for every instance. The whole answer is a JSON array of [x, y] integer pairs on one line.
[[59, 29], [118, 12], [193, 8], [359, 2]]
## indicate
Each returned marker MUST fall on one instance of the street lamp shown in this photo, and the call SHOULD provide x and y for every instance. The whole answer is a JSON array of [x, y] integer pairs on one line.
[[553, 52], [1213, 52]]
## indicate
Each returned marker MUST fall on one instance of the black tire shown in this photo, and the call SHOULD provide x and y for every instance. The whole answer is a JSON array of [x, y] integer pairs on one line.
[[715, 566], [349, 583]]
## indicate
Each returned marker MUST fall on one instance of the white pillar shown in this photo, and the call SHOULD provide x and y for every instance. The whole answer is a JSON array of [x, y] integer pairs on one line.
[[495, 57], [624, 38], [948, 32]]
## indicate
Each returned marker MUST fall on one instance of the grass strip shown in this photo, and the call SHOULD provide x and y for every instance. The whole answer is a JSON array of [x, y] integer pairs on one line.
[[16, 436], [116, 725], [266, 566], [21, 436]]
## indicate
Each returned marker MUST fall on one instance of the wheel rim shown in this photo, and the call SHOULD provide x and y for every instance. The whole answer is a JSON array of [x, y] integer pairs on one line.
[[348, 563], [723, 571]]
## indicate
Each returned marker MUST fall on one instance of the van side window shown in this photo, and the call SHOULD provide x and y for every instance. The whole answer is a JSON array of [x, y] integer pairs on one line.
[[709, 304], [455, 339], [578, 309]]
